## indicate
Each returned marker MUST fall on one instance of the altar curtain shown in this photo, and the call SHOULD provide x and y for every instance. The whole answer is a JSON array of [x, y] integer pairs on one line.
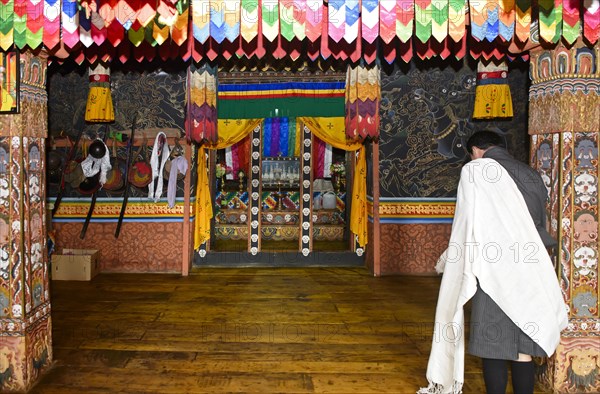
[[280, 137], [204, 211], [333, 132], [230, 132], [329, 130]]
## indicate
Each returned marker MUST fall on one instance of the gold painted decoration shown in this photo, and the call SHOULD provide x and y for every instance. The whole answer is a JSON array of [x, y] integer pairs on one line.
[[560, 106], [565, 91]]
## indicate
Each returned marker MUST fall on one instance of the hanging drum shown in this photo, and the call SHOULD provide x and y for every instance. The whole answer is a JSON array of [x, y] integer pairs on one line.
[[54, 165], [140, 173], [114, 178]]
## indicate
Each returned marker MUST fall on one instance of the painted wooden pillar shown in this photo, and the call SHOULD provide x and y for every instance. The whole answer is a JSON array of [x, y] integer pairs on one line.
[[25, 324], [564, 123]]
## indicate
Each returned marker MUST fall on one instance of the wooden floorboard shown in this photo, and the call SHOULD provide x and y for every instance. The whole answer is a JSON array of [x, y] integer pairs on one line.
[[245, 330]]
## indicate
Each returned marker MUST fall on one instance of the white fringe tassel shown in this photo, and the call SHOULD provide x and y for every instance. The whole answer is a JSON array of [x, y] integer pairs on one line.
[[436, 388]]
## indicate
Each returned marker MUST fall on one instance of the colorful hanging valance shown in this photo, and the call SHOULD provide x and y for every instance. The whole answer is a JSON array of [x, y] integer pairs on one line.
[[284, 99], [345, 29], [202, 104], [363, 93]]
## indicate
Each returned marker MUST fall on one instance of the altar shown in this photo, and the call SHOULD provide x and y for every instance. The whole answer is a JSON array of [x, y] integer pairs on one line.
[[283, 177], [281, 203]]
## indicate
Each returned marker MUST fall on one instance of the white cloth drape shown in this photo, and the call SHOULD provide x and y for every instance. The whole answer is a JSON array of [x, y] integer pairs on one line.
[[328, 161], [91, 166], [160, 155], [493, 240]]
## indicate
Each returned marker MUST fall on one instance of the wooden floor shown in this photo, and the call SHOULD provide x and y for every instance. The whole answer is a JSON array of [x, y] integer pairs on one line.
[[313, 330]]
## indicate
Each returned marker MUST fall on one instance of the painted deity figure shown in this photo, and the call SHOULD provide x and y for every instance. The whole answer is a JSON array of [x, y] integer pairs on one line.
[[584, 301], [586, 152], [34, 158], [586, 187], [3, 160], [585, 260], [544, 155], [585, 226]]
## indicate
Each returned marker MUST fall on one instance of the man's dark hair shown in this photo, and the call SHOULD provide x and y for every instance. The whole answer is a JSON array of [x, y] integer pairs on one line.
[[483, 139]]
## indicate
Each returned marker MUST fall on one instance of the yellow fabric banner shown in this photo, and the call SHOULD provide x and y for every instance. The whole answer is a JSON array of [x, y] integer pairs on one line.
[[358, 211], [204, 210], [333, 132], [230, 132]]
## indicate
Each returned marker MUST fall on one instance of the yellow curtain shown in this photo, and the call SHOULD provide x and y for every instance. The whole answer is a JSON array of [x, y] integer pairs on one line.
[[231, 131], [333, 132], [204, 211]]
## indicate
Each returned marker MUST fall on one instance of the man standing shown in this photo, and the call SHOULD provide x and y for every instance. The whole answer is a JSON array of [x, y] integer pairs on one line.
[[497, 256]]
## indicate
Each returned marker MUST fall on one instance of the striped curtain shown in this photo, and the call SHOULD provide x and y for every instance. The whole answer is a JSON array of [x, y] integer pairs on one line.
[[281, 137]]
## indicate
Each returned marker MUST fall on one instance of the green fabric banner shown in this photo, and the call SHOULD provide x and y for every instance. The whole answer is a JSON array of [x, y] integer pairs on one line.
[[273, 107]]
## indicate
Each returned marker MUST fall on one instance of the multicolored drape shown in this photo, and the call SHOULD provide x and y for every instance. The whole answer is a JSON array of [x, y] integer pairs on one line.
[[237, 157], [282, 137], [322, 155], [363, 94], [202, 104], [347, 30]]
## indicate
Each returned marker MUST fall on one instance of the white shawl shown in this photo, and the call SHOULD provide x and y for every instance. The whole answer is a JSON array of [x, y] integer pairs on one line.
[[493, 240], [159, 158]]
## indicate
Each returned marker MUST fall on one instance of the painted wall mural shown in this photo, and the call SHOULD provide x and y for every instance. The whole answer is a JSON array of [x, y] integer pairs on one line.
[[162, 91], [163, 95], [426, 121]]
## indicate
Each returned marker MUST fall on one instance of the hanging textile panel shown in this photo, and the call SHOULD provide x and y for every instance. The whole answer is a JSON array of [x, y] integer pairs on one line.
[[281, 137], [322, 155], [363, 94], [213, 25], [237, 157], [285, 99], [202, 104], [492, 94]]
